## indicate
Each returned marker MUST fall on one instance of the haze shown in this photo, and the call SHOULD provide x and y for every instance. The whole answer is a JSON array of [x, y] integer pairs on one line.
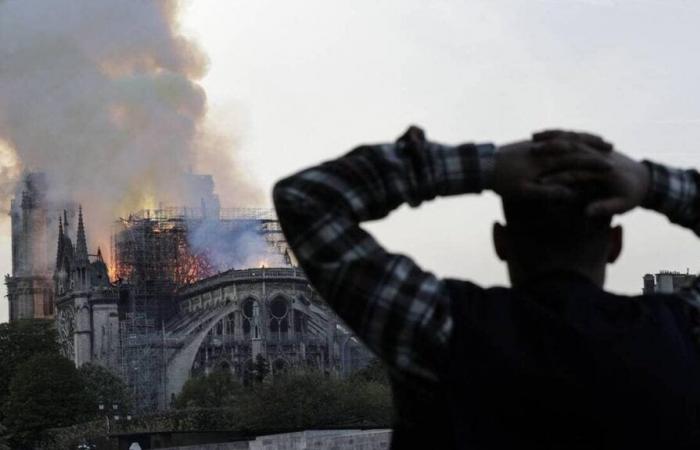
[[295, 83]]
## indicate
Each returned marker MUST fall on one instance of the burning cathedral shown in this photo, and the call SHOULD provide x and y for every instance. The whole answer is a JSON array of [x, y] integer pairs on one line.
[[185, 290]]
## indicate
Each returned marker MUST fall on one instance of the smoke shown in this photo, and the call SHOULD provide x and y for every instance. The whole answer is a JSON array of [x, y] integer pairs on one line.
[[103, 96], [233, 247]]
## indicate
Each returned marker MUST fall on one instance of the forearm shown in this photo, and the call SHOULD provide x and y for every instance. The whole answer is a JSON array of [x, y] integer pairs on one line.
[[676, 194], [372, 180], [367, 184], [400, 311]]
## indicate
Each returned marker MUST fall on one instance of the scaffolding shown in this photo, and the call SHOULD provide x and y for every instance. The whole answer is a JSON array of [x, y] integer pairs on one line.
[[145, 249], [142, 362], [185, 213], [156, 252], [157, 244]]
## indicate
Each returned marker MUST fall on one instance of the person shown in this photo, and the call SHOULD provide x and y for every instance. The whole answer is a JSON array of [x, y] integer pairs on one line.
[[555, 361]]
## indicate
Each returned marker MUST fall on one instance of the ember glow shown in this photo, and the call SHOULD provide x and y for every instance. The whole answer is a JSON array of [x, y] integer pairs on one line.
[[185, 245]]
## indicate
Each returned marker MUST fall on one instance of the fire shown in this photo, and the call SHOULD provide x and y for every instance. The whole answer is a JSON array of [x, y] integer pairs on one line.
[[112, 272], [149, 249]]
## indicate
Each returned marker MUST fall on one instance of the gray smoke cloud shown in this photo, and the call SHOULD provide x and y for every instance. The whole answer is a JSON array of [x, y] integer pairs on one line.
[[103, 96], [227, 247]]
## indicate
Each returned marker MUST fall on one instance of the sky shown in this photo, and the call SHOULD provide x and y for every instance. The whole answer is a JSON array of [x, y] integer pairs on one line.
[[295, 83]]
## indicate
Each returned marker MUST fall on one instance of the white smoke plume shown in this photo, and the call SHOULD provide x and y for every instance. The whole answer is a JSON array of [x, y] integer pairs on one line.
[[103, 96]]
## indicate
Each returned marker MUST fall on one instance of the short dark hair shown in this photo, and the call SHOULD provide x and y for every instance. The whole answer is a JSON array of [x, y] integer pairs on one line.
[[548, 230], [553, 218]]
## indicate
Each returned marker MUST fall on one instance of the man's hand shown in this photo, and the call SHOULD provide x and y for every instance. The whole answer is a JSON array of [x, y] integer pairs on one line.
[[520, 168], [621, 189]]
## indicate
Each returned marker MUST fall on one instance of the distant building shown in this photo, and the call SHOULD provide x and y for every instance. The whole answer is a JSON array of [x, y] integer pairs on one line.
[[667, 282]]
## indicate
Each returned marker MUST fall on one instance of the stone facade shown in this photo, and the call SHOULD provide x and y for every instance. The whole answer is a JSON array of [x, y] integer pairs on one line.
[[87, 317], [309, 439], [272, 312]]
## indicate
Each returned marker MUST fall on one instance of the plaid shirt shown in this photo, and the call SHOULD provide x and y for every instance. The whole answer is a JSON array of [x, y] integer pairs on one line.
[[399, 310], [676, 193]]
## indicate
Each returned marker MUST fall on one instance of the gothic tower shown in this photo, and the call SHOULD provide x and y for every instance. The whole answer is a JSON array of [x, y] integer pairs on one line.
[[29, 289], [87, 317], [80, 278]]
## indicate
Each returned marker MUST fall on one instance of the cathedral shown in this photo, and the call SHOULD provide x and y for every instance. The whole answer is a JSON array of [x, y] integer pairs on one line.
[[187, 290]]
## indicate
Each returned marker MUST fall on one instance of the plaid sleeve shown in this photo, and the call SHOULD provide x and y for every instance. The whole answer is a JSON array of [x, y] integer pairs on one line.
[[400, 311], [676, 193]]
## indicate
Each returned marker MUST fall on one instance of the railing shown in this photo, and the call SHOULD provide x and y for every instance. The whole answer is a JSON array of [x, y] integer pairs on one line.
[[185, 213], [231, 339], [289, 273]]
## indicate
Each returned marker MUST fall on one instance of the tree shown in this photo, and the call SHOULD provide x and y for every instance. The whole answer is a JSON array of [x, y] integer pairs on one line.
[[19, 341], [45, 392], [313, 399], [4, 444], [374, 371], [255, 370], [102, 386], [218, 389], [261, 368]]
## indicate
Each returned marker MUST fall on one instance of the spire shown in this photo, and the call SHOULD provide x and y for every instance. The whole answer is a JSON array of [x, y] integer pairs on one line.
[[65, 219], [99, 254], [81, 254], [59, 249]]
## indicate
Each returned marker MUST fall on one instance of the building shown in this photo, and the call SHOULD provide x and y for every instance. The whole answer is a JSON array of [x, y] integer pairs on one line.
[[34, 225], [170, 312], [272, 312], [667, 282], [87, 319]]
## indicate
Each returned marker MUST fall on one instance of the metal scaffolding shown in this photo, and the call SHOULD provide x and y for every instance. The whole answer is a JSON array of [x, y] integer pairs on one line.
[[157, 244], [146, 249], [184, 213], [155, 252], [142, 362]]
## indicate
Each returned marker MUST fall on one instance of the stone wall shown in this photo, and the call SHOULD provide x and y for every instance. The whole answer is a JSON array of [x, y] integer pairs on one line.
[[311, 439]]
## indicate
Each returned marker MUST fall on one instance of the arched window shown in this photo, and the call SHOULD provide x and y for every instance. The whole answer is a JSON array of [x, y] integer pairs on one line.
[[299, 322], [251, 318], [229, 324], [279, 317]]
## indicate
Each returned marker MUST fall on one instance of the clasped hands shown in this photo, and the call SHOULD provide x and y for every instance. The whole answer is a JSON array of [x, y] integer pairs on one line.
[[563, 165]]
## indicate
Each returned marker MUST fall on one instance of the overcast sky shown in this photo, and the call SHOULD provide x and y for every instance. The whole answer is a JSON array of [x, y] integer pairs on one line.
[[299, 82]]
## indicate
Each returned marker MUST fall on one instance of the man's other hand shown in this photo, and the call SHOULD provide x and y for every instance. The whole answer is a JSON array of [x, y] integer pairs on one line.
[[520, 168], [622, 188]]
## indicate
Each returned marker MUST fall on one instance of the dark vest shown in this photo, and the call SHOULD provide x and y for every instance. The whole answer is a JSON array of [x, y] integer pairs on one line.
[[560, 364]]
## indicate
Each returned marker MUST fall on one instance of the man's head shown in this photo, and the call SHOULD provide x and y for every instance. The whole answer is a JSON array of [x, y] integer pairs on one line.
[[544, 235]]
